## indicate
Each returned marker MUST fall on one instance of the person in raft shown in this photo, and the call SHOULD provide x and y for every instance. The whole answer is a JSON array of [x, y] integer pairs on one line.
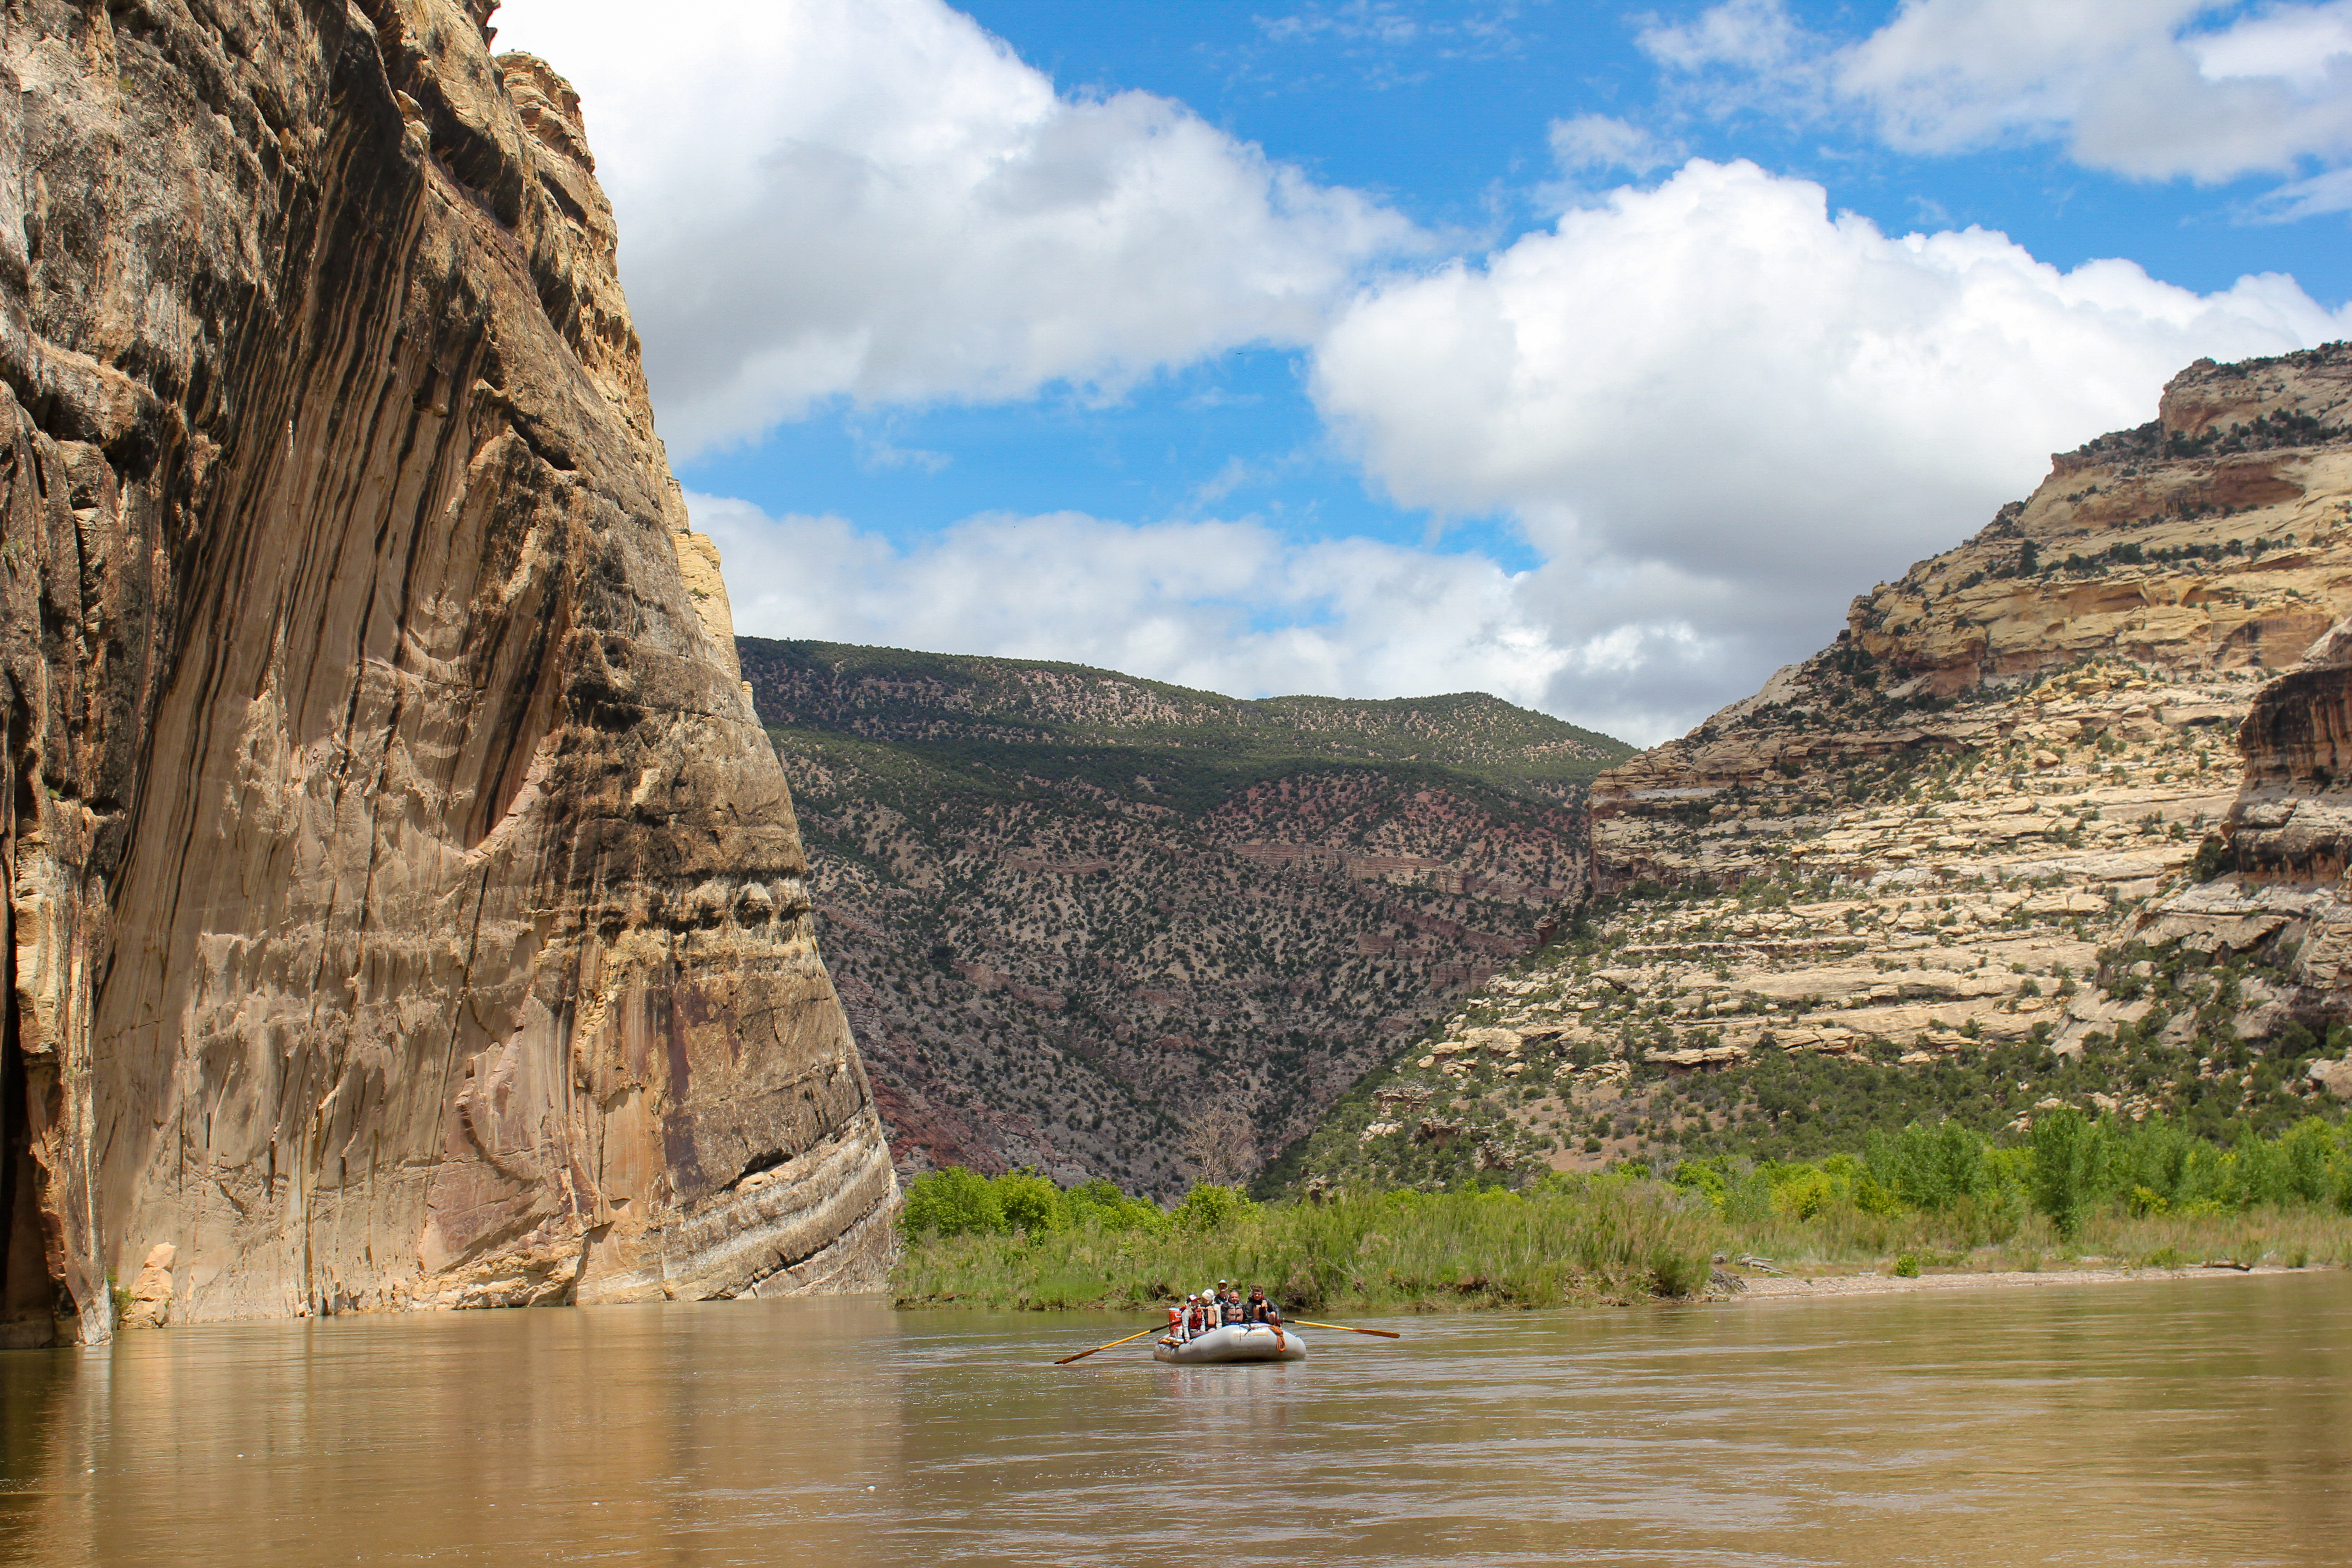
[[1212, 1308], [1195, 1318]]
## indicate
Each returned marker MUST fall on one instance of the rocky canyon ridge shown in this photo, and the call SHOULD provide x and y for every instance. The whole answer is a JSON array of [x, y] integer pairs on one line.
[[2060, 818], [405, 905]]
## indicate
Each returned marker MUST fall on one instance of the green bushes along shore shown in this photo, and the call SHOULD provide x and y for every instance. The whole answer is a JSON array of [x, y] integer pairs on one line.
[[2147, 1194], [1600, 1238]]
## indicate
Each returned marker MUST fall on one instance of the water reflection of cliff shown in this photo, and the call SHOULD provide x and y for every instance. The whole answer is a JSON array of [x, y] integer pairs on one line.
[[643, 1434]]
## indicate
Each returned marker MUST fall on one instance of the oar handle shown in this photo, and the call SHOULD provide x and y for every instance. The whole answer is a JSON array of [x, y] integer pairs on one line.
[[1383, 1334]]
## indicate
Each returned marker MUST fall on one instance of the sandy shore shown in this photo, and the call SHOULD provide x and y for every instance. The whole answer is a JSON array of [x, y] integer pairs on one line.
[[1792, 1288]]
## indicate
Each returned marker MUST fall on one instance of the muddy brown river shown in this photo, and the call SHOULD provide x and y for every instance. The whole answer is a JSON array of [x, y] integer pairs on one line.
[[2194, 1422]]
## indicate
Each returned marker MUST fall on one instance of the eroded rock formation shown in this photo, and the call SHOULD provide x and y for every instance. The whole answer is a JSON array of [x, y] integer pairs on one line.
[[405, 907], [2275, 884], [1965, 859]]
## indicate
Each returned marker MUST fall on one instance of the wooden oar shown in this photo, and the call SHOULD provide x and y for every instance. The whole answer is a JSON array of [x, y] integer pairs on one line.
[[1384, 1333], [1115, 1343]]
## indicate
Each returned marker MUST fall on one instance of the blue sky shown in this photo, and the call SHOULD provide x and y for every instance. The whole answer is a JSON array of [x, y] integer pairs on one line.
[[1578, 353]]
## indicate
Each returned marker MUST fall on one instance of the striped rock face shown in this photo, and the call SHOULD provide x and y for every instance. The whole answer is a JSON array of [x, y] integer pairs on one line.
[[405, 909], [1970, 850]]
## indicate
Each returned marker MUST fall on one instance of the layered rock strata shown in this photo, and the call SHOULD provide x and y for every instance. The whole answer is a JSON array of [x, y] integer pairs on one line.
[[405, 908], [1974, 832], [2277, 885]]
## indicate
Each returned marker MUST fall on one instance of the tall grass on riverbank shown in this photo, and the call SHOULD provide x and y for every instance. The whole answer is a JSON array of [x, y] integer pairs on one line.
[[1591, 1239], [2137, 1195], [2141, 1195], [1840, 1238]]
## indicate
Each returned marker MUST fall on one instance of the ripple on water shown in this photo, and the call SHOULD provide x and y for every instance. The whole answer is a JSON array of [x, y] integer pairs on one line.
[[2150, 1423]]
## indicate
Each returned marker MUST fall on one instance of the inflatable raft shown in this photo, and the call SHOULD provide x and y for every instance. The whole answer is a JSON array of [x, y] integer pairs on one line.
[[1238, 1341]]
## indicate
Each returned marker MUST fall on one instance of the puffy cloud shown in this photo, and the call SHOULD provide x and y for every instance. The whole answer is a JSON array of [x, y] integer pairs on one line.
[[2139, 87], [1221, 605], [875, 199], [1715, 409], [1718, 410]]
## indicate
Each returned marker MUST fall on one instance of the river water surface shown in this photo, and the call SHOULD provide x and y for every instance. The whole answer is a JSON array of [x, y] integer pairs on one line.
[[2191, 1422]]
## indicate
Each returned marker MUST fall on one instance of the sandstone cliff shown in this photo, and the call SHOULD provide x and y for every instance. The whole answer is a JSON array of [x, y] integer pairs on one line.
[[405, 908], [1950, 865], [1112, 927]]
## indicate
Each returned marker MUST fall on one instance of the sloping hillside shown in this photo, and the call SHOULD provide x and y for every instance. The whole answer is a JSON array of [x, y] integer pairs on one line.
[[1937, 869], [1109, 926]]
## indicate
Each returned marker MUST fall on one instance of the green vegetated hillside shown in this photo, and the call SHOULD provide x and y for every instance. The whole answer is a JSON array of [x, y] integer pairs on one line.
[[1010, 719], [1111, 927]]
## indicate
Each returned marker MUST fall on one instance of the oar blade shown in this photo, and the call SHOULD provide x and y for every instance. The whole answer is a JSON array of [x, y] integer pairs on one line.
[[1348, 1328], [1113, 1345]]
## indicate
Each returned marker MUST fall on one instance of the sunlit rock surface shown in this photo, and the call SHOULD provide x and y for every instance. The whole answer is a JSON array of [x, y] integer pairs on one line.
[[1976, 839], [405, 908]]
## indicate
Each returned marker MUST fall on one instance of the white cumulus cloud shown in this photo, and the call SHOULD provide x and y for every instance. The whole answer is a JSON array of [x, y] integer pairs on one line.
[[2151, 89], [877, 200], [1223, 605], [1713, 408], [1718, 410]]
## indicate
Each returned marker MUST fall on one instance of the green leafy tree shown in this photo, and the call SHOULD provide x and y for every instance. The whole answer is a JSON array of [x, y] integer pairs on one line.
[[1209, 1208], [2069, 1165], [1030, 1203], [952, 1202]]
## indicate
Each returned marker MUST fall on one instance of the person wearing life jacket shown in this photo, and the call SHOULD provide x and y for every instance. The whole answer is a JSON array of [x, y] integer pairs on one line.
[[1230, 1310], [1175, 1335], [1203, 1315], [1260, 1311]]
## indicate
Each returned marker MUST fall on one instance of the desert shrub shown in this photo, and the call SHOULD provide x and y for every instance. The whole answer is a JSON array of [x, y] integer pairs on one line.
[[1210, 1209], [951, 1202]]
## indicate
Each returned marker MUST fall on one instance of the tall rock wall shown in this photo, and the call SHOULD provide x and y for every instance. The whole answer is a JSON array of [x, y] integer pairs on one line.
[[405, 907]]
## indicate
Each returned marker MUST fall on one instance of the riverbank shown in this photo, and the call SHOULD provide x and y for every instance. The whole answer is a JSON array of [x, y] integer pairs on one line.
[[1600, 1241], [1765, 1287], [1418, 1252]]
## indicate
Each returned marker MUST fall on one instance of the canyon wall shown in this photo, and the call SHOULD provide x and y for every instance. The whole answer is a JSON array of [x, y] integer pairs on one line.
[[1972, 859], [404, 906]]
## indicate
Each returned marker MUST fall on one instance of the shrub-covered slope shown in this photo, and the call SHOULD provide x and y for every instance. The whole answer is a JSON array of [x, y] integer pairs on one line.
[[1111, 927]]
